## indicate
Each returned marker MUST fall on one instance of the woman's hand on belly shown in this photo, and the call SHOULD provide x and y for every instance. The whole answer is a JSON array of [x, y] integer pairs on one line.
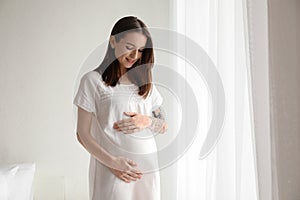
[[135, 123], [125, 169]]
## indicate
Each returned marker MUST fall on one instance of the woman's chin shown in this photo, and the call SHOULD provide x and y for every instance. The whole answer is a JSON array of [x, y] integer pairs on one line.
[[128, 66]]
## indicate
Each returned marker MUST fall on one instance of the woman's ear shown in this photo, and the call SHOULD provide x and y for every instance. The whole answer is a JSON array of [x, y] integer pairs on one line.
[[112, 41]]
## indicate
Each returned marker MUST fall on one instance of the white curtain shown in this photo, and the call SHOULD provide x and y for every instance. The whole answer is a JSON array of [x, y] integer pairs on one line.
[[229, 171]]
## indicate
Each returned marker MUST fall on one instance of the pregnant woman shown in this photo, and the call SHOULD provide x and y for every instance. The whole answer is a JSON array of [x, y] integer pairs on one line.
[[118, 116]]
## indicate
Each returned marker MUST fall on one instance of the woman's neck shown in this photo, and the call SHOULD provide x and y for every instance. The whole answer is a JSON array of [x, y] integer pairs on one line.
[[123, 71], [123, 78]]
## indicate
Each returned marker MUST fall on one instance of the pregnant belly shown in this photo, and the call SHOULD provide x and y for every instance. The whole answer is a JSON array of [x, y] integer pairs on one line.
[[141, 142], [140, 147]]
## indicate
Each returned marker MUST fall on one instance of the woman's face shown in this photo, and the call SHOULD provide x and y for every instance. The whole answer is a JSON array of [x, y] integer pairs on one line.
[[129, 49]]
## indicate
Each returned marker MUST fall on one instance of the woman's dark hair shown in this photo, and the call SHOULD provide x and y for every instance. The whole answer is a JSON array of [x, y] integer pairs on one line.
[[140, 73]]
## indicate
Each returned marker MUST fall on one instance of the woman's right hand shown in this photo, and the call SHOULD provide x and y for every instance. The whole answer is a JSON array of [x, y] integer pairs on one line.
[[125, 169]]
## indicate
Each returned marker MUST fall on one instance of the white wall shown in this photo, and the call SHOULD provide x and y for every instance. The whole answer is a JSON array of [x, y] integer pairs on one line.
[[42, 46], [284, 32]]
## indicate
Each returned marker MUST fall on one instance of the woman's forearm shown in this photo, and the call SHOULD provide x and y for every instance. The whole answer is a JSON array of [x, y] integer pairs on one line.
[[158, 125], [89, 143], [137, 122], [158, 122]]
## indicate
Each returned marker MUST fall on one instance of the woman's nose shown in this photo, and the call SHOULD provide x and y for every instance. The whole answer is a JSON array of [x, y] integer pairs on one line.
[[134, 54]]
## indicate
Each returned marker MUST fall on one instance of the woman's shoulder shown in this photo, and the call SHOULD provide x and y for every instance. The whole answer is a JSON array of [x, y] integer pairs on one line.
[[153, 89], [93, 77], [155, 95]]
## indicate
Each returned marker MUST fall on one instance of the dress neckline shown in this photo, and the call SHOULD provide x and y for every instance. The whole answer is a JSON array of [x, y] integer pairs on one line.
[[123, 84]]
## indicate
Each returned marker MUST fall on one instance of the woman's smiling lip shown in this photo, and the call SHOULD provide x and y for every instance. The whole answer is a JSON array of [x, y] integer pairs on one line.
[[130, 61]]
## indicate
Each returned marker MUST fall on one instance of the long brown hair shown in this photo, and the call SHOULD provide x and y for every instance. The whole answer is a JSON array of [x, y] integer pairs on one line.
[[140, 73]]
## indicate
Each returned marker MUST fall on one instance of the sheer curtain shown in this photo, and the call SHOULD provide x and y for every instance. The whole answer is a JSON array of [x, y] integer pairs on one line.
[[228, 172]]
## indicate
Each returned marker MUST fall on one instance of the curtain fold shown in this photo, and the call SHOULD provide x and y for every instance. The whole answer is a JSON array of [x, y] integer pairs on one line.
[[228, 172]]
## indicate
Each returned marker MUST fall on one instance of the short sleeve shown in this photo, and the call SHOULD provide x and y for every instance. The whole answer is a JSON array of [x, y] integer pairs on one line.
[[85, 96], [156, 97]]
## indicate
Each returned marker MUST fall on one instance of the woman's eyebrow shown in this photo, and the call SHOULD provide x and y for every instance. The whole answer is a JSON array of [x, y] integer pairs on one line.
[[134, 45]]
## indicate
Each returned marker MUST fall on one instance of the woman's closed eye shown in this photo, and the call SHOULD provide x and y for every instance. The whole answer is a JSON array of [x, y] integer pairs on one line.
[[132, 48]]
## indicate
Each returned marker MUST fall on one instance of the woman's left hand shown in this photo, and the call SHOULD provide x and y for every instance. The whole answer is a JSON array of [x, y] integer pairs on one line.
[[135, 123]]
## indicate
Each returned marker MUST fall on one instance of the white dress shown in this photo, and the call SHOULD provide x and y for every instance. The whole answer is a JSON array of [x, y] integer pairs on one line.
[[107, 105]]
